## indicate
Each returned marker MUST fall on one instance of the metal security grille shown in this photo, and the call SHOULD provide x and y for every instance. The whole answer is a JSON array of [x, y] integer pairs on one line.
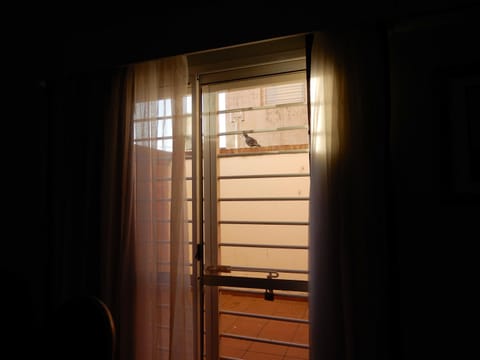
[[256, 207]]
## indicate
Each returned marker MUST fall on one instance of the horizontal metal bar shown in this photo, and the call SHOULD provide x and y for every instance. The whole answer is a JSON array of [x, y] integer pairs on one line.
[[255, 176], [167, 200], [165, 221], [284, 128], [169, 263], [162, 118], [253, 108], [268, 317], [235, 222], [215, 269], [266, 246], [169, 241], [283, 293], [239, 177], [267, 341], [306, 198], [261, 176], [268, 152], [169, 178], [154, 138], [267, 270], [247, 282], [158, 138]]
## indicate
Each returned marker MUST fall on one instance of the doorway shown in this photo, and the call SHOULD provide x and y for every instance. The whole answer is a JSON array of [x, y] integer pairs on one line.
[[250, 202]]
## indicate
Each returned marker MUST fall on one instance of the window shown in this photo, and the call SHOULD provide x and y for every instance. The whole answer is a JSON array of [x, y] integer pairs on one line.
[[153, 123]]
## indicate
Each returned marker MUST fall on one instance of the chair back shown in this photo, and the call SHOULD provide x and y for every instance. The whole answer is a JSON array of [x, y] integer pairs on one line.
[[84, 329]]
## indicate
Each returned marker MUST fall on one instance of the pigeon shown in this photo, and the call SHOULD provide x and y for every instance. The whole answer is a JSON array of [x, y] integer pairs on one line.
[[250, 141]]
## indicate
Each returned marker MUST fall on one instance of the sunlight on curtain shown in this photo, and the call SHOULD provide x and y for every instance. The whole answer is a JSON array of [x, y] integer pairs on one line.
[[326, 105], [348, 231], [324, 96], [163, 310]]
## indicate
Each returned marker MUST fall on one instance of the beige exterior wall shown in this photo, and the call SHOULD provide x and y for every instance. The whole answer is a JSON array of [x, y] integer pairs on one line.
[[293, 259]]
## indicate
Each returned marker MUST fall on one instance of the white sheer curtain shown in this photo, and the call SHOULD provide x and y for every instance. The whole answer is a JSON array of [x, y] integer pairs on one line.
[[347, 237], [163, 302]]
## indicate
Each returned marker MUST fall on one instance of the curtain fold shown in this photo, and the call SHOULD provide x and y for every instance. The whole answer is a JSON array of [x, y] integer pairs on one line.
[[118, 280], [146, 236], [347, 235], [163, 311]]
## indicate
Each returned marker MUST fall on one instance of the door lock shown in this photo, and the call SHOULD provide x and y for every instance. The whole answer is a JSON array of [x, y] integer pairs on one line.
[[269, 292]]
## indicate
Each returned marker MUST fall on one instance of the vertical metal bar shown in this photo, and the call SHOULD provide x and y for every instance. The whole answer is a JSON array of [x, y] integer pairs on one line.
[[211, 224], [197, 221]]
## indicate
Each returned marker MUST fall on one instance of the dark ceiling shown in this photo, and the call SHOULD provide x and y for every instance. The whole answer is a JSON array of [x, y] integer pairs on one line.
[[53, 39]]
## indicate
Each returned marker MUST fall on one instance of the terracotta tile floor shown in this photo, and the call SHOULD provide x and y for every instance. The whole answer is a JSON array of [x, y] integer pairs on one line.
[[275, 330]]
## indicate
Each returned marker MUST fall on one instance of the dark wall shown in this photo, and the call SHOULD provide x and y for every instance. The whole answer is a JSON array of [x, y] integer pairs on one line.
[[24, 257], [436, 224]]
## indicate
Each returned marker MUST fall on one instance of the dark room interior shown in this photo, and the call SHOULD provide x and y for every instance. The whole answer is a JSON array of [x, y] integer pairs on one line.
[[53, 180]]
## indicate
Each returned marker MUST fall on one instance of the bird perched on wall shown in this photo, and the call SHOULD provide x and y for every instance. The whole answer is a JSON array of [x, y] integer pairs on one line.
[[250, 141]]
